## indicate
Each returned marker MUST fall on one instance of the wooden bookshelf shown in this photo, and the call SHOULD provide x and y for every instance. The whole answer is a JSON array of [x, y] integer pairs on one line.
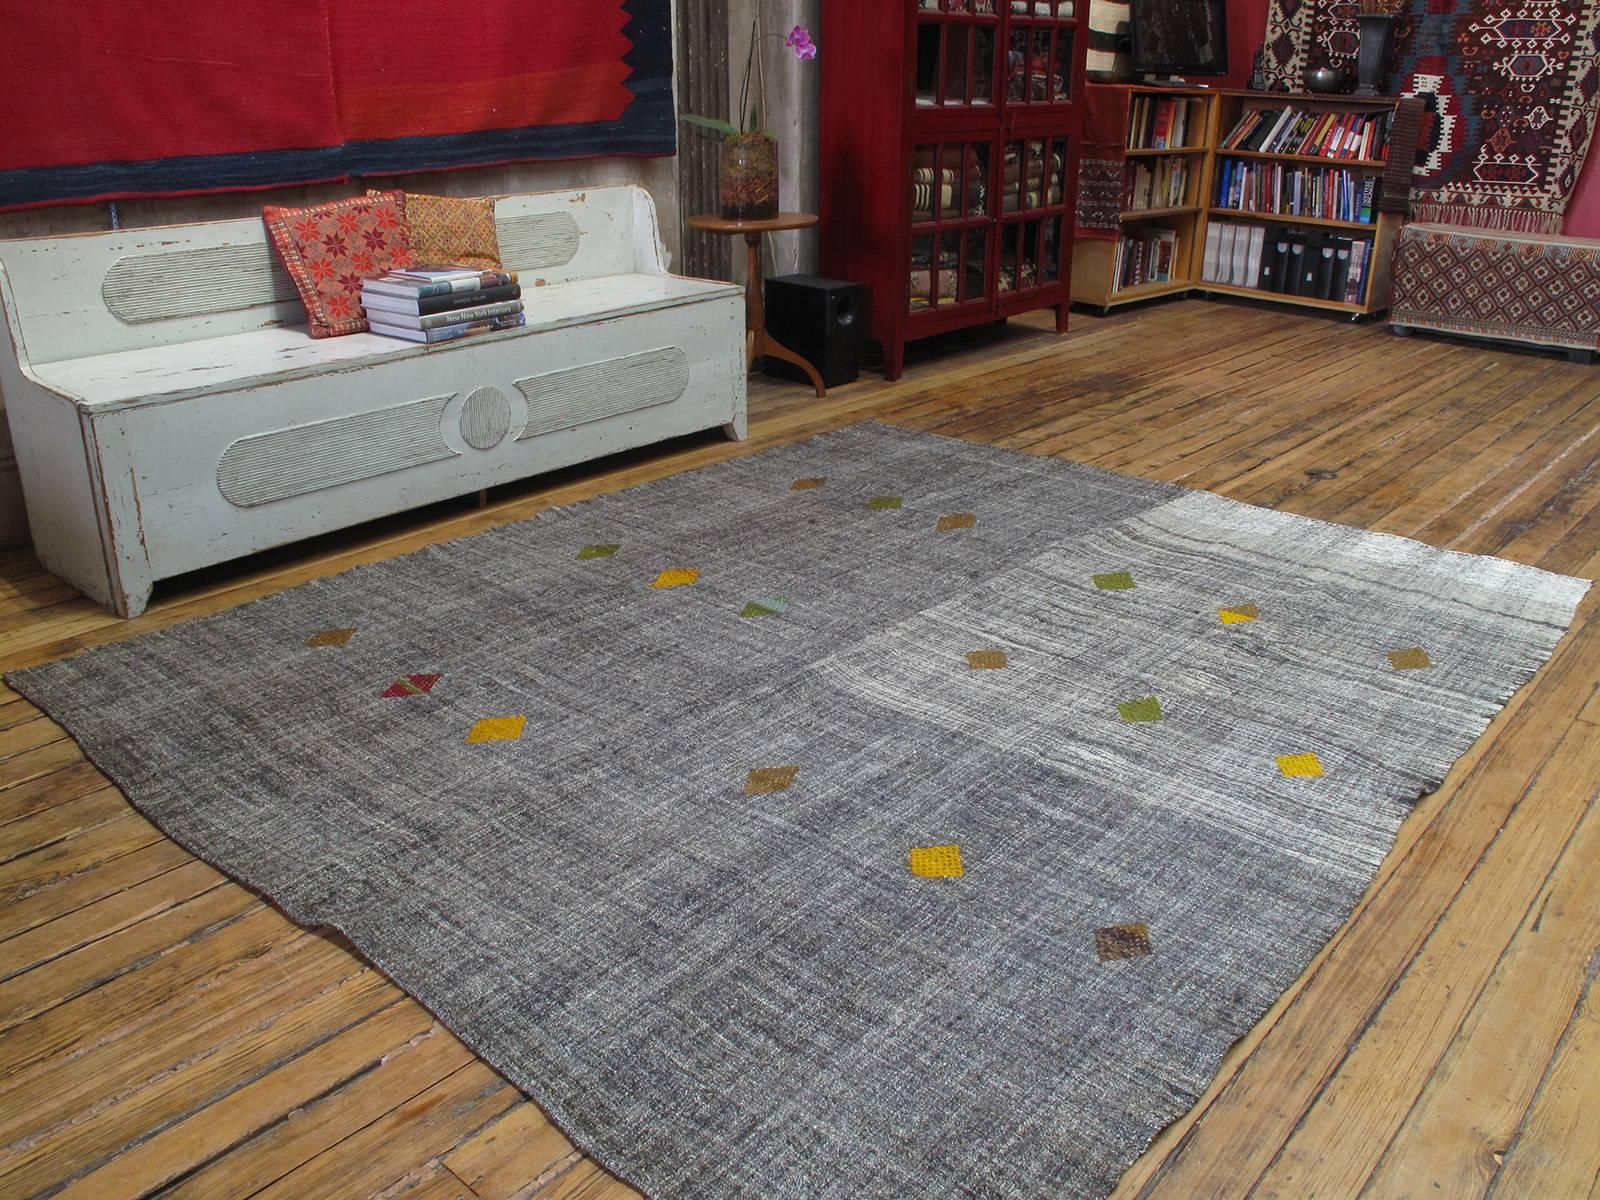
[[1094, 261], [1094, 265]]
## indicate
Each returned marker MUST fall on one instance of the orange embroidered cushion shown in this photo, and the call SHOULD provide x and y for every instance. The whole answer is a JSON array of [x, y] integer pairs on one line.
[[453, 229], [329, 249]]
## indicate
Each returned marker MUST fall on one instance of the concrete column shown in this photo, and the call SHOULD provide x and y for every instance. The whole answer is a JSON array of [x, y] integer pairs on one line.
[[789, 112]]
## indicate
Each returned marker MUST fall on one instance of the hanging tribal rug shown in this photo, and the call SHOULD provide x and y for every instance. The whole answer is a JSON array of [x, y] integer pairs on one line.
[[878, 816], [1512, 88]]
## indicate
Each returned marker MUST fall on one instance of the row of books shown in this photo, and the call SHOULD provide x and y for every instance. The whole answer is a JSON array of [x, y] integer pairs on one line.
[[1301, 131], [1294, 262], [1155, 183], [1161, 122], [1330, 193], [1144, 256], [442, 303]]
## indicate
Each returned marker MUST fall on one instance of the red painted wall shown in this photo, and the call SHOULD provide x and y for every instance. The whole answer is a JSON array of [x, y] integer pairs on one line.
[[1247, 20]]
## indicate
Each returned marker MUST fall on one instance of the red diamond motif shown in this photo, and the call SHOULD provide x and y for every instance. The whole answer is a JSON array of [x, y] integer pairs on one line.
[[411, 685]]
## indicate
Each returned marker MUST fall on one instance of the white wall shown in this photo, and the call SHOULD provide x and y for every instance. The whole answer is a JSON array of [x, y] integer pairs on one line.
[[657, 175]]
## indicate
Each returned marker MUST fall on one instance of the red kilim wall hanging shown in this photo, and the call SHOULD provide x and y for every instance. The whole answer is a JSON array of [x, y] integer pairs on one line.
[[1512, 88], [107, 99]]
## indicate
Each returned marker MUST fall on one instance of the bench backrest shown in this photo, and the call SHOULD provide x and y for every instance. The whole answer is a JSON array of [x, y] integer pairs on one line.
[[97, 293]]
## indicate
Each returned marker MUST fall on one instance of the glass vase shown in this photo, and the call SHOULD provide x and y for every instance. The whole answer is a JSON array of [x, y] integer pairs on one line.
[[749, 176]]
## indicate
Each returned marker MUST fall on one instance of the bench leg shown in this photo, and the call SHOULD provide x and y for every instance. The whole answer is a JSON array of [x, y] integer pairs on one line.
[[739, 428]]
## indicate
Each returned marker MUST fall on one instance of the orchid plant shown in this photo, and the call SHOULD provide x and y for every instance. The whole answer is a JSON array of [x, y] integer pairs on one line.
[[749, 112]]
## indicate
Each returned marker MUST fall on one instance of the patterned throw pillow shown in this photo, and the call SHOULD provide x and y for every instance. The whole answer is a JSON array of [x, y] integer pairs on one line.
[[329, 249], [453, 229]]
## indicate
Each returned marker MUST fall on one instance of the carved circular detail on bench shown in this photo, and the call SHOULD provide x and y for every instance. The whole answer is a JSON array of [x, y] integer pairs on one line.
[[485, 418]]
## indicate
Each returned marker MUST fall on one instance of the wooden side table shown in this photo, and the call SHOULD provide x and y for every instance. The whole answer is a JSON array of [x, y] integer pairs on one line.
[[757, 341]]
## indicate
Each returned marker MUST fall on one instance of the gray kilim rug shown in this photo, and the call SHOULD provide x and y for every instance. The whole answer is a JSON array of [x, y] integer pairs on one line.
[[878, 816]]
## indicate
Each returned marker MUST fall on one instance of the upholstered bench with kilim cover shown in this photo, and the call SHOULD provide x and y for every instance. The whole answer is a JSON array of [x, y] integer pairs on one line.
[[1525, 287]]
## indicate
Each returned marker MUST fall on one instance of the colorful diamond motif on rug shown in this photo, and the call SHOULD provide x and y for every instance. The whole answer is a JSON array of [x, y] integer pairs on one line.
[[1300, 766], [883, 503], [411, 685], [1122, 941], [952, 521], [331, 637], [987, 660], [1146, 709], [936, 862], [762, 780], [676, 577], [765, 606], [601, 550], [1414, 659], [1114, 581], [497, 729], [1238, 614], [806, 485]]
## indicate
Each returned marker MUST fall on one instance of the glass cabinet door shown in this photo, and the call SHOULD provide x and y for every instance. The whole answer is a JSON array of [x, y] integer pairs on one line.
[[952, 219], [1034, 178], [957, 53], [1039, 52]]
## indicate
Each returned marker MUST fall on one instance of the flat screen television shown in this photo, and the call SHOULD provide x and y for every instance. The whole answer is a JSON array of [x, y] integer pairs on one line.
[[1179, 37]]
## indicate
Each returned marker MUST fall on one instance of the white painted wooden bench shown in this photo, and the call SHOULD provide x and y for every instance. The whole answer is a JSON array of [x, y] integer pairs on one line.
[[170, 411]]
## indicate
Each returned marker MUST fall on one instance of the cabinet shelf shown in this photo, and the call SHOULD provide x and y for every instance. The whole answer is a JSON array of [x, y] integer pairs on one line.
[[1370, 164], [1145, 214], [1229, 214]]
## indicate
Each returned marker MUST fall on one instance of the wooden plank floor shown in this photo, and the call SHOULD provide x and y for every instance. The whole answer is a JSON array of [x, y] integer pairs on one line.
[[165, 1032]]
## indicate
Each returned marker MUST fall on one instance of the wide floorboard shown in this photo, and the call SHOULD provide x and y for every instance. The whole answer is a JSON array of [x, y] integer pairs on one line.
[[163, 1031]]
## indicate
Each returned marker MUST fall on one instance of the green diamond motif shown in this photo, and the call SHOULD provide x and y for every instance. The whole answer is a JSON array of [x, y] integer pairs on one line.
[[879, 503], [605, 551], [1114, 581], [1148, 709], [764, 606]]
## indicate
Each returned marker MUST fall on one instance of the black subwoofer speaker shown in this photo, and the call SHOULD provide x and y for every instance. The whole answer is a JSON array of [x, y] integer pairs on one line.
[[821, 321]]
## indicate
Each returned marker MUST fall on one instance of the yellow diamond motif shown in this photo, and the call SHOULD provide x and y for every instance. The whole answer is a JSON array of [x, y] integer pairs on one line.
[[769, 779], [331, 637], [936, 862], [676, 577], [1414, 659], [1300, 765], [497, 729], [1238, 613]]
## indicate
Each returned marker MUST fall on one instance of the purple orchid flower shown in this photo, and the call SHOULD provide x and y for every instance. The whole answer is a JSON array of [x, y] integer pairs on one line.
[[799, 40]]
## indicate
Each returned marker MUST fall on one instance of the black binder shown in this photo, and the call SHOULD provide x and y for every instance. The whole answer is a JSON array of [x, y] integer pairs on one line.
[[1311, 262], [1341, 268], [1329, 245], [1296, 271]]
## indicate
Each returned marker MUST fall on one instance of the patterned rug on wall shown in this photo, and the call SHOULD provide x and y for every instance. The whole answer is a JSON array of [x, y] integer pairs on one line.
[[1512, 88], [878, 816]]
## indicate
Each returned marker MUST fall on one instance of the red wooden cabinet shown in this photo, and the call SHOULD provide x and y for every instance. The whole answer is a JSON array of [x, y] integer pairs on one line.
[[949, 159]]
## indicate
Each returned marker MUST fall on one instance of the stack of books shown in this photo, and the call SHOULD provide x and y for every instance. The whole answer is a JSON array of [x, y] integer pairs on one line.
[[1159, 123], [1315, 134], [1158, 183], [1328, 193], [1146, 256], [440, 303]]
